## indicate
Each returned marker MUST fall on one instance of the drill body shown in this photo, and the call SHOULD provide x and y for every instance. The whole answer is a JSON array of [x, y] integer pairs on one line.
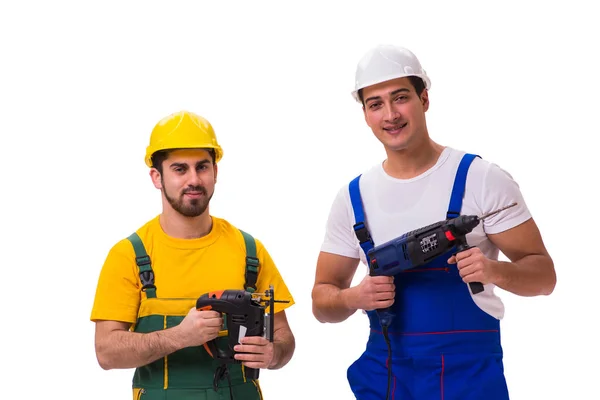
[[244, 316], [417, 247]]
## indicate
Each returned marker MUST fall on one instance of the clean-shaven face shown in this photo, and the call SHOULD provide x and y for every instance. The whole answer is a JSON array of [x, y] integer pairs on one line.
[[395, 113]]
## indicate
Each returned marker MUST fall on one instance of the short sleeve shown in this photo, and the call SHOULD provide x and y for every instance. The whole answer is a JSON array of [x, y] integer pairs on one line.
[[118, 293], [340, 238], [499, 190]]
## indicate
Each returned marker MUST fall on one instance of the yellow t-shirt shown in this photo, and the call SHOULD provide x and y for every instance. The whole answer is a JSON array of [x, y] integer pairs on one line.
[[183, 268]]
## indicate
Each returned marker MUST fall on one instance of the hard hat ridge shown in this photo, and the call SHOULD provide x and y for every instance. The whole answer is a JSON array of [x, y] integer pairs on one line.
[[386, 62], [183, 130]]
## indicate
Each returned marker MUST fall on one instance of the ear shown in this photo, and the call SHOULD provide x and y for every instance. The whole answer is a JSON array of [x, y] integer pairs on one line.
[[425, 100], [155, 176], [216, 168]]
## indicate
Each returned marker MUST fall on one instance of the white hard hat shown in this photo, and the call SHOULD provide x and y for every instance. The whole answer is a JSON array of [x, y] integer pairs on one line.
[[386, 62]]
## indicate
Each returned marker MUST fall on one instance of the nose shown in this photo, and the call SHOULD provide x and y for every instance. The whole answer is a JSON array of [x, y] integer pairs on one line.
[[194, 178], [390, 113]]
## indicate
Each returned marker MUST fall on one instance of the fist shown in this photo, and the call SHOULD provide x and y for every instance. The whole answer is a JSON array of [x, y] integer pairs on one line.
[[474, 266]]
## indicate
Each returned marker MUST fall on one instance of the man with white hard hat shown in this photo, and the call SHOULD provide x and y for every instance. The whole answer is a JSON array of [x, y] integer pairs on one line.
[[444, 341]]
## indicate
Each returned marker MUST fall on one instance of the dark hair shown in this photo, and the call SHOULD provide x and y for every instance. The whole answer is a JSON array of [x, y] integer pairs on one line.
[[415, 81], [160, 156]]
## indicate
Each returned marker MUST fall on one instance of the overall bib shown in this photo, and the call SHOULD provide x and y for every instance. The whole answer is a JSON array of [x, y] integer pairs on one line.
[[189, 372], [443, 346]]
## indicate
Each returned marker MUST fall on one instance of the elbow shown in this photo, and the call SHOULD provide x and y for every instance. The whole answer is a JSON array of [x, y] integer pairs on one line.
[[103, 362], [550, 286], [103, 359], [316, 310], [317, 314]]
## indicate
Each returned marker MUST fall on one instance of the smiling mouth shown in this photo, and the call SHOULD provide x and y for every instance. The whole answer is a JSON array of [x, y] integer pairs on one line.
[[395, 127]]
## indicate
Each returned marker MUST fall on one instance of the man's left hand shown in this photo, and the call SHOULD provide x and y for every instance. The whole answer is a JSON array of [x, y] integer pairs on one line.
[[255, 352], [473, 266]]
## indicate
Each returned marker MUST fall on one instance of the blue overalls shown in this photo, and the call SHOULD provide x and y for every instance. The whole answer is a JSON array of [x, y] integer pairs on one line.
[[443, 346]]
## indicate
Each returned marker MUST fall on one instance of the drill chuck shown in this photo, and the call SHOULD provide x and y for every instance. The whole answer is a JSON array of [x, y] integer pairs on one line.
[[465, 224]]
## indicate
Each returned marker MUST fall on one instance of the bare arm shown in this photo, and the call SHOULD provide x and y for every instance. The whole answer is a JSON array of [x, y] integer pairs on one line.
[[333, 298], [531, 270], [284, 342], [117, 347], [332, 281]]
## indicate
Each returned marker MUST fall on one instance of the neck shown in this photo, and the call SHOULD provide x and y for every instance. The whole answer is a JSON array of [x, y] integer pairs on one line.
[[410, 162], [181, 227]]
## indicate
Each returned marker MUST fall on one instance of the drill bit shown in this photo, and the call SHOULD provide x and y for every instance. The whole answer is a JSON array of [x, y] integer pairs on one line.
[[484, 216]]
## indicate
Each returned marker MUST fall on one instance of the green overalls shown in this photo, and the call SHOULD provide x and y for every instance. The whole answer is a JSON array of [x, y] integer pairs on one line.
[[187, 373]]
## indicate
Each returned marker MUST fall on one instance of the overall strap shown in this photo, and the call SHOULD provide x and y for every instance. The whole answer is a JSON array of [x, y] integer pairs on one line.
[[360, 229], [252, 262], [144, 265], [458, 191]]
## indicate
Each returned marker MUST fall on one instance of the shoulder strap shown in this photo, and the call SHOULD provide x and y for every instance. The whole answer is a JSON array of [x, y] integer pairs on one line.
[[252, 262], [458, 190], [360, 229], [144, 265]]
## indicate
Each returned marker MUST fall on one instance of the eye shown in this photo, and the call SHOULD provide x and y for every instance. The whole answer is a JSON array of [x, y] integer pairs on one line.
[[374, 105], [401, 98]]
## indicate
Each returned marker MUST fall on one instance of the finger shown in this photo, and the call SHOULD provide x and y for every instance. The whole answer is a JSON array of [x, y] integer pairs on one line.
[[382, 279], [209, 314], [384, 304], [462, 255], [249, 349], [214, 322], [465, 262], [212, 330], [385, 287], [384, 296], [256, 340], [470, 269], [255, 364], [473, 273], [451, 260]]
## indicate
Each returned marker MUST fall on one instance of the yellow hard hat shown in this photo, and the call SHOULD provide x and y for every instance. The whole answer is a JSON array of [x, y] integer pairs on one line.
[[183, 130]]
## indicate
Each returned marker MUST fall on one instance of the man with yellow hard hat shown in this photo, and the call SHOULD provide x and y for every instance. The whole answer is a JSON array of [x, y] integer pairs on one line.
[[145, 303]]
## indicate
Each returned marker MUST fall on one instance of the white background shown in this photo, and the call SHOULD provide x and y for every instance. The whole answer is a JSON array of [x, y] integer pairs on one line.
[[83, 83]]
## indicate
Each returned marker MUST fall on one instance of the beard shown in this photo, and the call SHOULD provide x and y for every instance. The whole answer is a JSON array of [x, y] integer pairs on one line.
[[194, 207]]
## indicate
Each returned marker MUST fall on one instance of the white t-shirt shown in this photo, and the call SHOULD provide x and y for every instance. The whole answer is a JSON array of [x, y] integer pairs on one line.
[[395, 206]]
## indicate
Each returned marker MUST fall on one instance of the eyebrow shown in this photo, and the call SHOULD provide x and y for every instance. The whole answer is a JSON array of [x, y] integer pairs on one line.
[[395, 92], [178, 164]]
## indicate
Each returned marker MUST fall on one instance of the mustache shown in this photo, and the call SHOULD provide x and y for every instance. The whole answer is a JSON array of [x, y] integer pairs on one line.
[[199, 189]]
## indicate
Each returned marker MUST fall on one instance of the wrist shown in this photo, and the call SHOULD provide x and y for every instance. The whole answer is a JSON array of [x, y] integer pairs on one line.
[[499, 273], [174, 336], [348, 299]]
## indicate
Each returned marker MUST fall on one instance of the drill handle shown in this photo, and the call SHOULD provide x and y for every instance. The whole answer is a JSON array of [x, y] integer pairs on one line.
[[385, 316], [251, 373], [476, 287]]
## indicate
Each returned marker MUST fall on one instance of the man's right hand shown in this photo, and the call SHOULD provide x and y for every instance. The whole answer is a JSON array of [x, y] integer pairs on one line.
[[199, 327], [373, 292]]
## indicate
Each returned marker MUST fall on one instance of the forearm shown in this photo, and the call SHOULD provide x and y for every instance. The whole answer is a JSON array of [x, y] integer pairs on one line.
[[330, 303], [284, 345], [125, 349], [532, 275]]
